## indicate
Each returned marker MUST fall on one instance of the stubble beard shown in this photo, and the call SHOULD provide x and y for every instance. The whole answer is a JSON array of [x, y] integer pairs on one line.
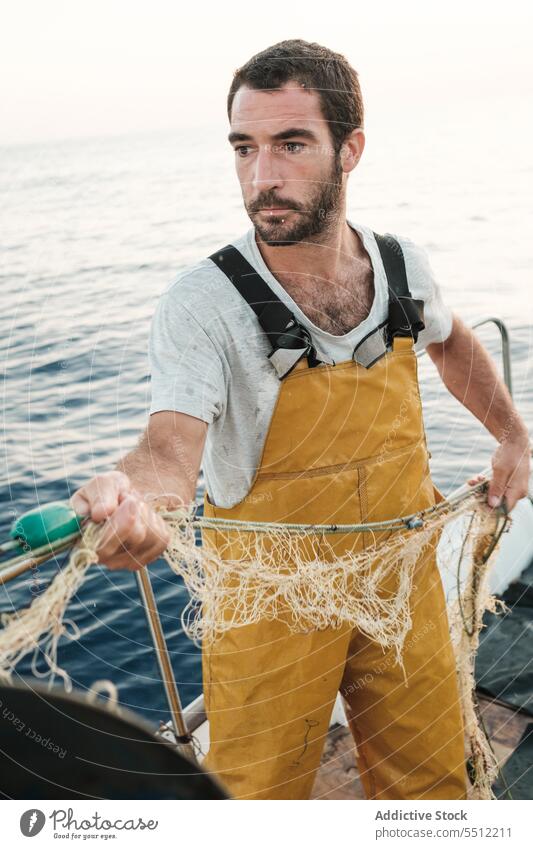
[[313, 220]]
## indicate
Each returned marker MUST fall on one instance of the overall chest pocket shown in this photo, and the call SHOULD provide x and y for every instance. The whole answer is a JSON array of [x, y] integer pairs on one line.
[[395, 484]]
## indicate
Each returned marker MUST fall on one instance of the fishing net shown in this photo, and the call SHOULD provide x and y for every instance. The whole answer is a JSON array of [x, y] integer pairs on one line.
[[245, 572], [41, 625], [465, 617], [296, 574]]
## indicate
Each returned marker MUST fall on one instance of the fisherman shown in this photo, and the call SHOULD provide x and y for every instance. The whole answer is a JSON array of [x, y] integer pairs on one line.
[[285, 364]]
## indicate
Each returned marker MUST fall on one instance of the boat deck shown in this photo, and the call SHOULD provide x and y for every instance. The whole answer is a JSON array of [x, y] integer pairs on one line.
[[338, 777]]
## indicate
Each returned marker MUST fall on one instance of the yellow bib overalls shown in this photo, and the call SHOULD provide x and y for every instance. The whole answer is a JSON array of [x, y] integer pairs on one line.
[[346, 444]]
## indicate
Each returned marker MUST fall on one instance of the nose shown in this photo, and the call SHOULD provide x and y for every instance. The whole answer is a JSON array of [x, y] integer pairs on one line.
[[266, 173]]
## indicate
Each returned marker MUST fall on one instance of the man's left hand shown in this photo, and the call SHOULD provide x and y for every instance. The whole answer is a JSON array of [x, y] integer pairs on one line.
[[510, 473]]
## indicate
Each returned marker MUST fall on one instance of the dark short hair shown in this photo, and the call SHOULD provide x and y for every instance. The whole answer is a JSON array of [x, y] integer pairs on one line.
[[314, 67]]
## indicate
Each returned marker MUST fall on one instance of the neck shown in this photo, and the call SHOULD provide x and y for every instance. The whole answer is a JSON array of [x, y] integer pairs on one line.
[[335, 247]]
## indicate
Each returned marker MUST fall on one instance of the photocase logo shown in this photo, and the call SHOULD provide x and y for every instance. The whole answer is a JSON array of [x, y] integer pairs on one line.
[[31, 822]]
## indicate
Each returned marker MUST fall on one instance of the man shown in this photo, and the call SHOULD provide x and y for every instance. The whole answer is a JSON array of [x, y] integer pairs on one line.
[[303, 405]]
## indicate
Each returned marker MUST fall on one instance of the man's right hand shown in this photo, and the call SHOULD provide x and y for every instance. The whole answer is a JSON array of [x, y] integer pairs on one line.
[[134, 534]]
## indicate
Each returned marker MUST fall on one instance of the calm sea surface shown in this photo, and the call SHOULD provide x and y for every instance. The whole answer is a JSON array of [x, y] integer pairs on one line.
[[92, 231]]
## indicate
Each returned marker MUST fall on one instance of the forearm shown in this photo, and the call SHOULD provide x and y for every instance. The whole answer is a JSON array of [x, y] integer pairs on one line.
[[164, 466], [157, 478], [469, 373]]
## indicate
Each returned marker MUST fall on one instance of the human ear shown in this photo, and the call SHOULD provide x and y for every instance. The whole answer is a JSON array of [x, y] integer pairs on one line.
[[352, 149]]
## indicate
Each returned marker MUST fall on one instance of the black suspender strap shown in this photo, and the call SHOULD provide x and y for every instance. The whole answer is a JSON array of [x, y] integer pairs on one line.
[[406, 314], [290, 340]]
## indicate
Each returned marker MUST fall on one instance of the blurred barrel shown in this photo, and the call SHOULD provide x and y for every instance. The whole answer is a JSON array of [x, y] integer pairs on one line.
[[55, 745]]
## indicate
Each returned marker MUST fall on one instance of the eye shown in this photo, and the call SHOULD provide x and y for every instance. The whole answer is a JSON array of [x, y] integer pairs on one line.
[[242, 150], [290, 146]]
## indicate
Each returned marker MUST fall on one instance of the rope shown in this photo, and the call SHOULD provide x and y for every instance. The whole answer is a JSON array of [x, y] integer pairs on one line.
[[294, 572]]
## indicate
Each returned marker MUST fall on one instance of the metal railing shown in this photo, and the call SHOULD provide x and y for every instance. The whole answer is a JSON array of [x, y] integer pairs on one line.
[[505, 347]]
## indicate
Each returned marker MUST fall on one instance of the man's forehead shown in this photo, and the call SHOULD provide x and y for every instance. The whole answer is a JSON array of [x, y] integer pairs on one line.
[[256, 110]]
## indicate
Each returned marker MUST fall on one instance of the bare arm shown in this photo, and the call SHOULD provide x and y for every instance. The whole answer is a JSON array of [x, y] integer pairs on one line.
[[470, 374], [166, 462], [162, 469]]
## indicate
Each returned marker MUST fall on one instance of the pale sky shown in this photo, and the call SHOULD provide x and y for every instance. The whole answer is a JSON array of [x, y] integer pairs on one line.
[[76, 68]]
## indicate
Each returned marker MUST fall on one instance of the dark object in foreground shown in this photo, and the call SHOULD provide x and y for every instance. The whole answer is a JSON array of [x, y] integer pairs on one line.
[[504, 670], [518, 770], [59, 746]]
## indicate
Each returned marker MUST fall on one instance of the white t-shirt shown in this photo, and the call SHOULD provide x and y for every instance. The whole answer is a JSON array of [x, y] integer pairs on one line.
[[209, 355]]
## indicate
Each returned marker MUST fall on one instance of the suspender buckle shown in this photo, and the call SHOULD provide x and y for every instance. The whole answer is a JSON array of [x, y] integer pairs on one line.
[[406, 317]]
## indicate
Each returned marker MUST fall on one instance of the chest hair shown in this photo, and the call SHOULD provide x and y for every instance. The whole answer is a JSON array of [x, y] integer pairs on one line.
[[334, 306]]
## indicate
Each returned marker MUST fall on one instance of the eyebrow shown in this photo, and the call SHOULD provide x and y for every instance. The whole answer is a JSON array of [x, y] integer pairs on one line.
[[300, 132]]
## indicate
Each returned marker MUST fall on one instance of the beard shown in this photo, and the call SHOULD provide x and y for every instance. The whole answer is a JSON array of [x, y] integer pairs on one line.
[[313, 219]]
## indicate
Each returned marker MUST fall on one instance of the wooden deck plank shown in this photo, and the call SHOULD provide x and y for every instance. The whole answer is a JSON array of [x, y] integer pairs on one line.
[[338, 777]]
